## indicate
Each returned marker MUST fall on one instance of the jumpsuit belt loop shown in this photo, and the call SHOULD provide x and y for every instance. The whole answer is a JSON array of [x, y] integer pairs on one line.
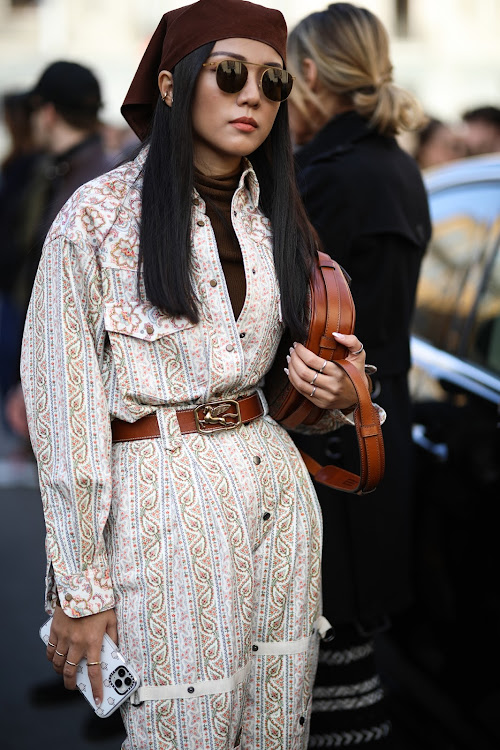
[[324, 628]]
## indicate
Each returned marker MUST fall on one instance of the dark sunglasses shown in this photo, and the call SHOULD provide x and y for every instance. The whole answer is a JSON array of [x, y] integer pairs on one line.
[[232, 75]]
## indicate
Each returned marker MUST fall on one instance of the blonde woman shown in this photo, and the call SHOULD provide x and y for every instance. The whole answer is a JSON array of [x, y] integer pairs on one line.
[[365, 197]]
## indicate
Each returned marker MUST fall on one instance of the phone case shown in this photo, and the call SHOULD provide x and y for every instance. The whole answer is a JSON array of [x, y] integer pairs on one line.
[[119, 679]]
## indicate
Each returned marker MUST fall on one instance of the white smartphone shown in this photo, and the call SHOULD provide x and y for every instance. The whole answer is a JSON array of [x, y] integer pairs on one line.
[[119, 679]]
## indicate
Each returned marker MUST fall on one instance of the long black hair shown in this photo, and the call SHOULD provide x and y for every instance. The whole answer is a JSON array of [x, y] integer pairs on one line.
[[165, 231]]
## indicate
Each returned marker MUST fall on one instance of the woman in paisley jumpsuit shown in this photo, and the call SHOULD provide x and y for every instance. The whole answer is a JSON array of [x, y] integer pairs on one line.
[[194, 539]]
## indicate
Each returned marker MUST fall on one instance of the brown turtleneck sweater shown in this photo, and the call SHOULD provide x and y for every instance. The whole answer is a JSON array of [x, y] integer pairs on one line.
[[217, 192]]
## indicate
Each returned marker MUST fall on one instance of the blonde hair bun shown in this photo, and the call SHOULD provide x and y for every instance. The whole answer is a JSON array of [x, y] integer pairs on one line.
[[350, 47]]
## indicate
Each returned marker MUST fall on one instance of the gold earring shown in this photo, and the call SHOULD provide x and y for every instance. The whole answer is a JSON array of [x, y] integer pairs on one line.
[[164, 97]]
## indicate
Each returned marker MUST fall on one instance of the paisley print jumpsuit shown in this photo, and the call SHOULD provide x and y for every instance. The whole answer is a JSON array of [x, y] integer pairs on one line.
[[207, 546]]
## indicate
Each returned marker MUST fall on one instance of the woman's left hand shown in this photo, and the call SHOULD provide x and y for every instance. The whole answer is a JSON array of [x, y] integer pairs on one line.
[[326, 385]]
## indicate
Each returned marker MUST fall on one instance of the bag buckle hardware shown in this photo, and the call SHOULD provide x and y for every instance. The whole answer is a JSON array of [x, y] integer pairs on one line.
[[216, 413]]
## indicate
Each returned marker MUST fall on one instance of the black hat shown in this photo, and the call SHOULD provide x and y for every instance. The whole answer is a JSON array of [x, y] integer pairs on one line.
[[68, 86]]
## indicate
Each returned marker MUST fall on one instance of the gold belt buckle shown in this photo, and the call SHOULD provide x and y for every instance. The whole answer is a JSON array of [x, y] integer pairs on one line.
[[217, 414]]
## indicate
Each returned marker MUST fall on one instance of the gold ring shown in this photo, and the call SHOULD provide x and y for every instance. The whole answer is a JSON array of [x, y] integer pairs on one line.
[[93, 663], [359, 351], [313, 391], [323, 366], [314, 379], [52, 645], [71, 663], [59, 654]]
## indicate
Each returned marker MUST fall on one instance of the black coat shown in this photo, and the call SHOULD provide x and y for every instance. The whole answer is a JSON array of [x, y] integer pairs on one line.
[[56, 180], [365, 197]]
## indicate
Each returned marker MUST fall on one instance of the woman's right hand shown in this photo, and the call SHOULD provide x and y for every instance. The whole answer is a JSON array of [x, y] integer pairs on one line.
[[72, 639]]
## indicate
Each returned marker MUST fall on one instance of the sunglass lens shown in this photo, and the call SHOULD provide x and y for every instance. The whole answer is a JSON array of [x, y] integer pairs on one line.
[[231, 76], [277, 84]]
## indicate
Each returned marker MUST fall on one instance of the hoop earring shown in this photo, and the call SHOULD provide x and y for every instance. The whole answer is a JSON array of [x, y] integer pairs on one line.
[[164, 97]]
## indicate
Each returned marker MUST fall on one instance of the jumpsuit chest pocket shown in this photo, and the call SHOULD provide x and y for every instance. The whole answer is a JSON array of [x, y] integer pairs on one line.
[[155, 356], [142, 321]]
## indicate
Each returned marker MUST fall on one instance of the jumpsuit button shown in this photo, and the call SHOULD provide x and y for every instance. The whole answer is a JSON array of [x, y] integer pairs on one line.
[[68, 597], [190, 689], [229, 348], [302, 721], [196, 202], [254, 271], [149, 329], [266, 516], [257, 460], [213, 282], [242, 335], [255, 648], [200, 223]]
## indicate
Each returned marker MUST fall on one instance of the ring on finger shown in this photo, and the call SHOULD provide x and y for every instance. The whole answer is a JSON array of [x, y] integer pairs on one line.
[[71, 663], [359, 350], [93, 663], [314, 379], [52, 645], [313, 392], [322, 367], [59, 654]]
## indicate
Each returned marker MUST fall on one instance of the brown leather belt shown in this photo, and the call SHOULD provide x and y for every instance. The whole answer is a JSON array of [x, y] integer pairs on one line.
[[206, 418]]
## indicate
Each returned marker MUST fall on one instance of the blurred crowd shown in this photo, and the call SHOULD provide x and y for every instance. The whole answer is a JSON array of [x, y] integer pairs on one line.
[[438, 142], [57, 142]]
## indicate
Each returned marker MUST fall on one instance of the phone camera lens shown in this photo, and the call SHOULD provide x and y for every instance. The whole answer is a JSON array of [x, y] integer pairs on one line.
[[118, 683], [128, 681], [121, 672]]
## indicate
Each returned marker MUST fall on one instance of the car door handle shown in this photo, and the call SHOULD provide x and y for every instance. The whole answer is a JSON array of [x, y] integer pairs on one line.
[[439, 450]]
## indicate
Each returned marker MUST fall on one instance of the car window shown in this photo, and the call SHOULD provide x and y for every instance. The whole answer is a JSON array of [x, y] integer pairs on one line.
[[463, 219], [482, 344]]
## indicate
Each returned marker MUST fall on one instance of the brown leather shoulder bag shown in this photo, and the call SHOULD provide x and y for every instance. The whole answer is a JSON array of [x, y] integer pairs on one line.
[[331, 309]]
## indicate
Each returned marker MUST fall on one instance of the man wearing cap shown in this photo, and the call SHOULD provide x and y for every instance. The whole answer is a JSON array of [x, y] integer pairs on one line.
[[65, 103]]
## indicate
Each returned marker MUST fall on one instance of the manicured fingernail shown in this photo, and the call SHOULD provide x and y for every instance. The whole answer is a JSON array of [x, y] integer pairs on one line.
[[338, 335], [294, 344], [288, 359], [285, 370], [97, 701], [291, 350]]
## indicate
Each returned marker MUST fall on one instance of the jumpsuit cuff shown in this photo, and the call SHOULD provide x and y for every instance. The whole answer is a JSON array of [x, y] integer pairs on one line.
[[349, 417], [333, 419], [330, 420], [81, 594]]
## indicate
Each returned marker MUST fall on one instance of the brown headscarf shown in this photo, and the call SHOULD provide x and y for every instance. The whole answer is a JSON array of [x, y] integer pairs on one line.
[[183, 30]]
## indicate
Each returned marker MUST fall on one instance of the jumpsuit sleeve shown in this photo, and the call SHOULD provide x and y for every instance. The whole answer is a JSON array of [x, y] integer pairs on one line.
[[69, 424], [333, 419]]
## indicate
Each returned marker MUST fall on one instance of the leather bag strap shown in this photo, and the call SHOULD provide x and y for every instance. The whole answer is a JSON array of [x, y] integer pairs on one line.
[[332, 310], [370, 444]]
